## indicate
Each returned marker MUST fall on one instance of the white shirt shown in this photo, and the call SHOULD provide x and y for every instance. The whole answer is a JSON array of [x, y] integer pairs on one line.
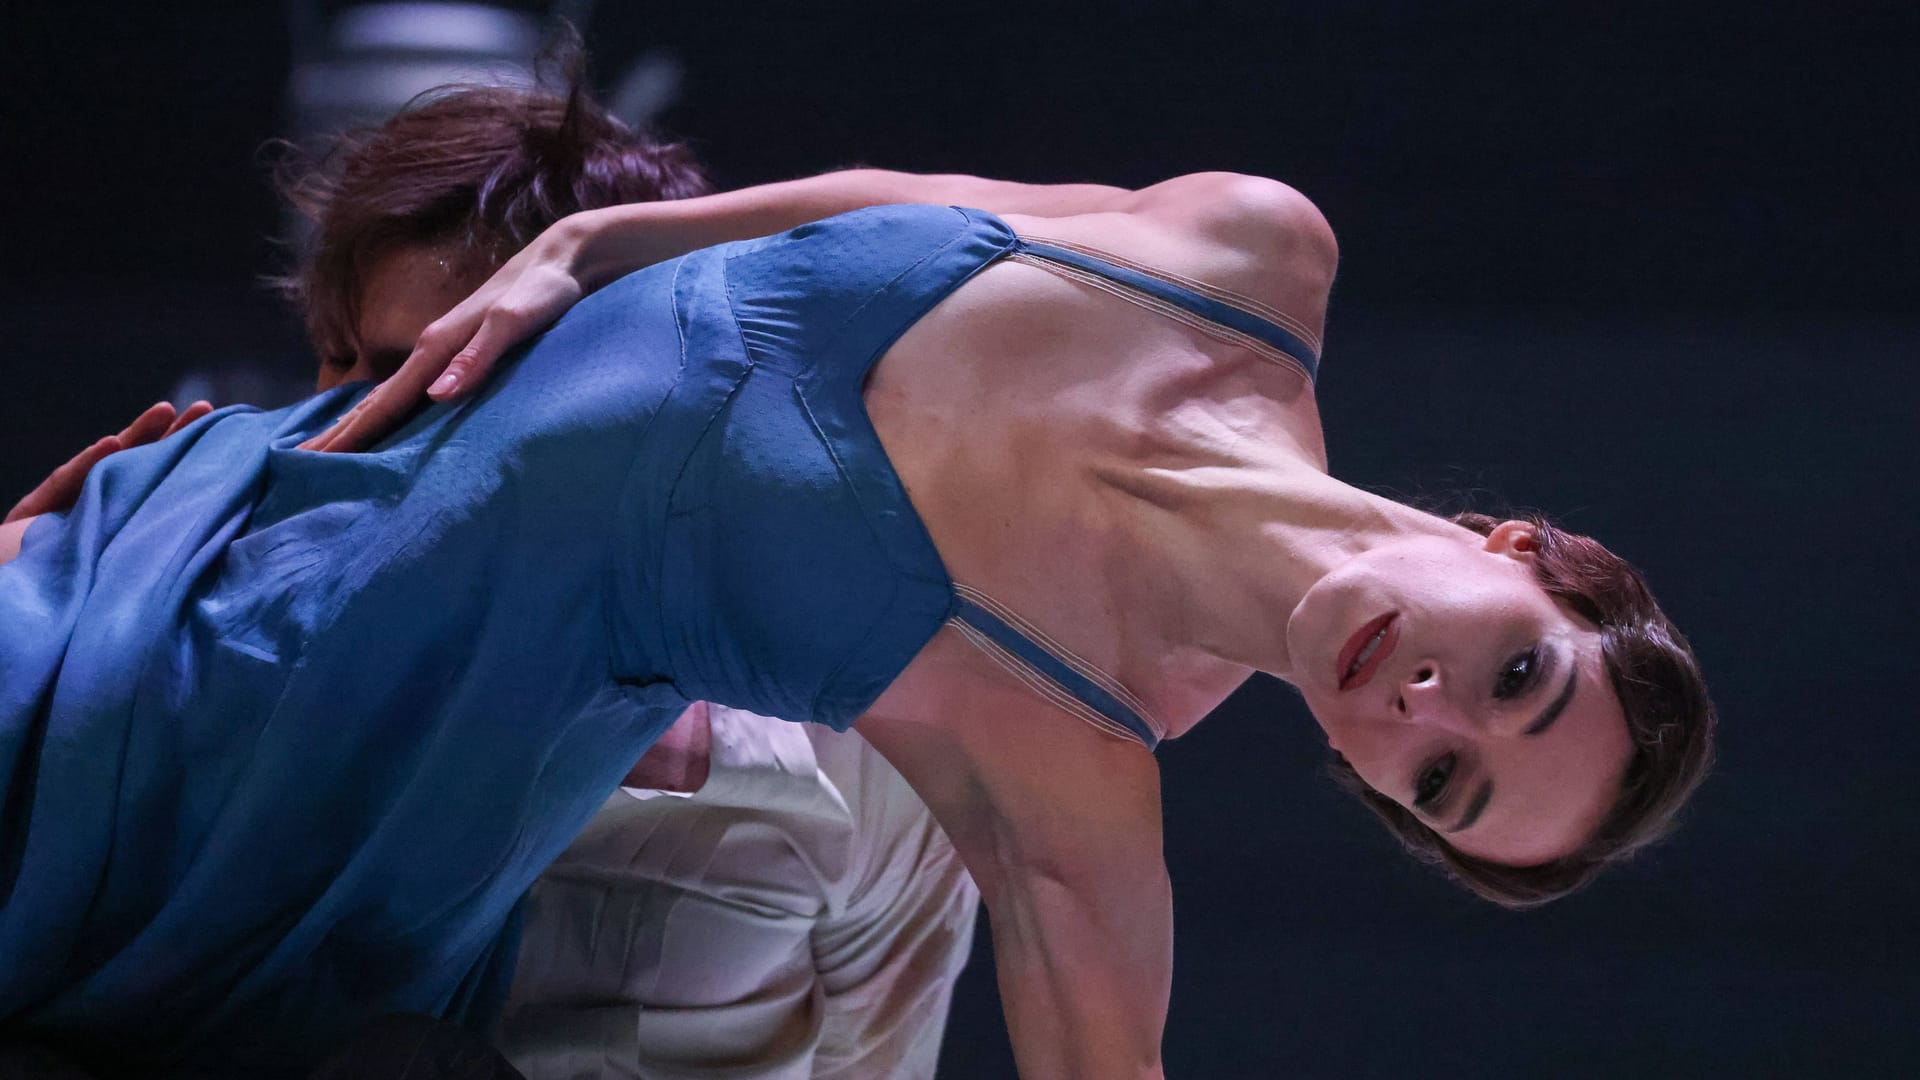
[[799, 917]]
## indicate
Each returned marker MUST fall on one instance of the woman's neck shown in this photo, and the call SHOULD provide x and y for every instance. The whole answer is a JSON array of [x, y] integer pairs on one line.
[[1244, 541]]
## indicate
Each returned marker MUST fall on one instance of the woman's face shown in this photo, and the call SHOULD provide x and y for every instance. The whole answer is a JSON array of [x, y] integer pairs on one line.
[[401, 293], [1457, 687]]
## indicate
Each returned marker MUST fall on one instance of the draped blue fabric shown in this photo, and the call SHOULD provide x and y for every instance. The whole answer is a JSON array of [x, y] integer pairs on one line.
[[284, 737]]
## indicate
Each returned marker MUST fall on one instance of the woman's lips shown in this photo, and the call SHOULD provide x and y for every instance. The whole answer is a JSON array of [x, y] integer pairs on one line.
[[1366, 650]]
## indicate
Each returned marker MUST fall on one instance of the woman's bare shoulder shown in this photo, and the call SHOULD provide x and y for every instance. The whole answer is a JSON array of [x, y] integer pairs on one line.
[[1264, 216], [1246, 235]]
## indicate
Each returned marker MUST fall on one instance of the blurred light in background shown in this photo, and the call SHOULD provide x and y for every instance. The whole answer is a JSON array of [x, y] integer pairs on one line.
[[359, 68]]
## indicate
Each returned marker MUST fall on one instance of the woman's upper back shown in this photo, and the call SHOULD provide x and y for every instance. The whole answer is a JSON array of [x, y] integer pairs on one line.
[[1041, 413]]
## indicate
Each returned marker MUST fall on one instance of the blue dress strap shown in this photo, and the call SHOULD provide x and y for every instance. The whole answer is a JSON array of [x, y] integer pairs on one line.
[[1051, 670], [1213, 305]]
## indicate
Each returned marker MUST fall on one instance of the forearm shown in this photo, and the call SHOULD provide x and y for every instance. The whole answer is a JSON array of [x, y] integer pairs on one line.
[[618, 239]]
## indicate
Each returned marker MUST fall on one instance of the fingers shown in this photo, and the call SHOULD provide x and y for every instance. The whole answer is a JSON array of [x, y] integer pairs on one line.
[[471, 366], [428, 373], [159, 421], [388, 405], [457, 354], [193, 412], [60, 489], [153, 424], [385, 407]]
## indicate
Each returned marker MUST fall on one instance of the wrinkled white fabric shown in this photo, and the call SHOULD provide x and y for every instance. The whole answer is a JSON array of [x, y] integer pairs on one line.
[[799, 917]]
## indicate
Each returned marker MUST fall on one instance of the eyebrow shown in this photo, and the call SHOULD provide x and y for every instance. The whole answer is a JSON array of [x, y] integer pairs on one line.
[[1474, 809], [1555, 707], [1485, 795]]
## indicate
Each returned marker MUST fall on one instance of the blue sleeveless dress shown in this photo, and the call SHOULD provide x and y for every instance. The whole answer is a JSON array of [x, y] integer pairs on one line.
[[284, 737]]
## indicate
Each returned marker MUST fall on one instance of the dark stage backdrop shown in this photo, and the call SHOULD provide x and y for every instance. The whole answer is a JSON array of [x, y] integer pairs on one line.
[[1648, 266]]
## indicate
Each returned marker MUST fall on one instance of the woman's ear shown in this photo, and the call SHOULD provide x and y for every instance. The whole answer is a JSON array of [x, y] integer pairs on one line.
[[1514, 539]]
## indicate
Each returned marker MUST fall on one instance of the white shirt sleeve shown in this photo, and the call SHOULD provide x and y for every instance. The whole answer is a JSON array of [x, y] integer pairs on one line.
[[799, 916]]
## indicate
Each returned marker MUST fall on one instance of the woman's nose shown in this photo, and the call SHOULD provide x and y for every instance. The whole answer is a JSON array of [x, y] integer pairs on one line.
[[1424, 699]]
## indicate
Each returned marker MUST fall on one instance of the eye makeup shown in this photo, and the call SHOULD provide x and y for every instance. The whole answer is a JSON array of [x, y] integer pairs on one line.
[[1521, 673], [1432, 782]]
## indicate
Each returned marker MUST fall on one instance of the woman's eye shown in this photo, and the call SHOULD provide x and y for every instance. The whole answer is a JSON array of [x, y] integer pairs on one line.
[[1432, 781], [1517, 675]]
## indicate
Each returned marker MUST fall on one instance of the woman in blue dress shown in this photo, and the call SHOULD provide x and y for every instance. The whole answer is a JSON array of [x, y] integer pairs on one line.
[[288, 732]]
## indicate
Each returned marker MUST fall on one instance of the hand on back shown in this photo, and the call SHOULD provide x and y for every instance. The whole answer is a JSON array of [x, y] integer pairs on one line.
[[456, 353], [61, 489]]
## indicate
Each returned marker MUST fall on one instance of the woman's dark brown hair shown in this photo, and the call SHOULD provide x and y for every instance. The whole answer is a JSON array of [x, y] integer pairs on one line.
[[480, 170], [1661, 691]]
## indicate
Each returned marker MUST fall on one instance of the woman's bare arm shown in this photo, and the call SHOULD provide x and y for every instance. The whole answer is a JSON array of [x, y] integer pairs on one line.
[[584, 251], [1258, 236], [619, 239], [1060, 826]]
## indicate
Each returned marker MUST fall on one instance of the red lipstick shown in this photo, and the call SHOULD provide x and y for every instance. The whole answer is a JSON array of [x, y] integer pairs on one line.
[[1366, 650]]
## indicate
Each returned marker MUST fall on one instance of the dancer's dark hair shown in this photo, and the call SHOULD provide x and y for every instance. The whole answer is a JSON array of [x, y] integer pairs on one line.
[[476, 170]]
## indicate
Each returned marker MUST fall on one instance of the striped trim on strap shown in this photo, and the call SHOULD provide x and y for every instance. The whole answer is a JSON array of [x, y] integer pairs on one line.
[[1248, 322], [1052, 670]]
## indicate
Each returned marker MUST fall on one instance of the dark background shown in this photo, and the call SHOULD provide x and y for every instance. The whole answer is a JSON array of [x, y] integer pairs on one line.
[[1648, 266]]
